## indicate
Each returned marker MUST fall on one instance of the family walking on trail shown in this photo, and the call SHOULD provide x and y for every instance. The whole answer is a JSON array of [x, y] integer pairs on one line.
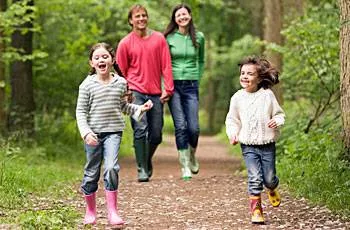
[[151, 69]]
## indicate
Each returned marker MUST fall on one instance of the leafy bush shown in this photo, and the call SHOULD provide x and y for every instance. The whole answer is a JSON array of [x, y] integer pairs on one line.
[[59, 218], [313, 74], [310, 164]]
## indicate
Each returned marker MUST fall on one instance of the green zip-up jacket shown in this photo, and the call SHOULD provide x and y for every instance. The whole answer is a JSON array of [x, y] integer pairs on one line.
[[187, 61]]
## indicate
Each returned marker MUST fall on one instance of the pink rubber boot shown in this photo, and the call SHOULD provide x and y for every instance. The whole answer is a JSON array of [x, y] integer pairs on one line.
[[90, 213], [113, 217]]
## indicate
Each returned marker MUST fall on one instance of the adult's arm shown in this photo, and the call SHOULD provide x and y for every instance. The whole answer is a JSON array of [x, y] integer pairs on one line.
[[201, 53], [122, 58], [167, 71]]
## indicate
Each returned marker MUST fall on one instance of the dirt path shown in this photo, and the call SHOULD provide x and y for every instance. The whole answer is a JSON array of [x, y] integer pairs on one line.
[[214, 199]]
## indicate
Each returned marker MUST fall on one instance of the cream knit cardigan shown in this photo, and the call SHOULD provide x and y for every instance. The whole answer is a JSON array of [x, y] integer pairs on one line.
[[249, 114]]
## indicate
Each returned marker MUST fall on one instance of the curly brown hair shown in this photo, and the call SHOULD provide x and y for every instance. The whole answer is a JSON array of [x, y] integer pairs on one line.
[[266, 72]]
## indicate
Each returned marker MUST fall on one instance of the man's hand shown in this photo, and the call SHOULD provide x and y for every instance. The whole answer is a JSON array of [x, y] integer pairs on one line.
[[164, 97]]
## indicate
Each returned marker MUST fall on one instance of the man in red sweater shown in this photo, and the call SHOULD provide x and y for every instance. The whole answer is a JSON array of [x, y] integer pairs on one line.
[[143, 57]]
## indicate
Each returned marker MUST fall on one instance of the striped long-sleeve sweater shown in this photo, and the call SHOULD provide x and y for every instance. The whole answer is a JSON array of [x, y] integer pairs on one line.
[[100, 107]]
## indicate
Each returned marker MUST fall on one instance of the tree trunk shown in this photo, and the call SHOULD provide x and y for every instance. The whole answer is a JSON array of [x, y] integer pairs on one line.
[[3, 7], [21, 116], [345, 72], [272, 33]]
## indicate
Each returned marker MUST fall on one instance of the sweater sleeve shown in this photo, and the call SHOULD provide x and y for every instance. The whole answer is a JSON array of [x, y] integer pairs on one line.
[[201, 54], [122, 57], [233, 122], [82, 111], [277, 112], [166, 67], [128, 108]]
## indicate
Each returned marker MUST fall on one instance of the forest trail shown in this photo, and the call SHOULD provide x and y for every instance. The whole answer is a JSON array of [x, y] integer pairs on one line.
[[215, 198]]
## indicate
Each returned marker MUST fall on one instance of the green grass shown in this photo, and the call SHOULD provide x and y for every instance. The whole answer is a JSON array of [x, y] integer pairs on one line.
[[37, 177], [311, 166], [27, 175]]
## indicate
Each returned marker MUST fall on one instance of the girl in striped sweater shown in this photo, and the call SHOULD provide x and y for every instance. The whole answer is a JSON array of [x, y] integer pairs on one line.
[[100, 105]]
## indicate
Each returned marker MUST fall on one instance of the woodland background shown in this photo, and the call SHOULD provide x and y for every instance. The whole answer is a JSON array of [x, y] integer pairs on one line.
[[44, 49]]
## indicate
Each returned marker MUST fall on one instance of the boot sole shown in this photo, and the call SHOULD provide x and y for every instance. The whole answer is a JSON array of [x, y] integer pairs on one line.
[[260, 223], [143, 179], [186, 178]]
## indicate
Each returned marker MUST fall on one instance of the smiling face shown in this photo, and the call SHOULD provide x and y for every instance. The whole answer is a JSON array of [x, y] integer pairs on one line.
[[102, 61], [139, 19], [249, 78], [182, 17]]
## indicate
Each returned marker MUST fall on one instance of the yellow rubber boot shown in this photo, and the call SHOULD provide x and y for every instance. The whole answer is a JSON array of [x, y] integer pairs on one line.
[[274, 197]]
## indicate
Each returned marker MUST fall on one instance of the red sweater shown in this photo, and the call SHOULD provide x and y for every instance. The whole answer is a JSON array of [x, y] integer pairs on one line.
[[144, 61]]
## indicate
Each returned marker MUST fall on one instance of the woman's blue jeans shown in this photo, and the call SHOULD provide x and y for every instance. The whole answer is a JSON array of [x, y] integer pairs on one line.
[[183, 107], [260, 163], [107, 151]]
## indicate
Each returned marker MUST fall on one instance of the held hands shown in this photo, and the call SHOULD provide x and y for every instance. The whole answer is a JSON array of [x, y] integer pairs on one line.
[[147, 106], [91, 139], [164, 97], [272, 124]]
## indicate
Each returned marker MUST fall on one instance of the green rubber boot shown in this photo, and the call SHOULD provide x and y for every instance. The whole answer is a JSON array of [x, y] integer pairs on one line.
[[141, 154], [184, 159], [194, 165], [151, 150]]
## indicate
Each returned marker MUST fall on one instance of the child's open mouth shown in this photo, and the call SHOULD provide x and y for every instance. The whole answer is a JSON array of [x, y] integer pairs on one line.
[[102, 66]]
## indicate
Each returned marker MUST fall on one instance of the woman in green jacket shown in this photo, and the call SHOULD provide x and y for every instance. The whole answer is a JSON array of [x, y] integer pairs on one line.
[[187, 58]]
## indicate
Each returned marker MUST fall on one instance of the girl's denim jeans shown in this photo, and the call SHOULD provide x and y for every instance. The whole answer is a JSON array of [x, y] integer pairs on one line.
[[107, 151], [260, 163], [183, 106]]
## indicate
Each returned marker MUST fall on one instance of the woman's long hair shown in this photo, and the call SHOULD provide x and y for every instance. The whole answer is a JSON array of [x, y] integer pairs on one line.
[[172, 26]]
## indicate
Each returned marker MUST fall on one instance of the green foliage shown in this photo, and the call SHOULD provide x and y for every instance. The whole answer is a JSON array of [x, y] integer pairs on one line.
[[15, 18], [313, 74], [310, 165]]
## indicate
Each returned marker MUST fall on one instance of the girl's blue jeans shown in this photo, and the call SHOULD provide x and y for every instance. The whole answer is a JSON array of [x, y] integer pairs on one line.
[[106, 151], [260, 163], [183, 107]]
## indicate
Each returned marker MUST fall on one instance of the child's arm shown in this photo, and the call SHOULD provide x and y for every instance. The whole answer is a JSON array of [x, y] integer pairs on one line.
[[81, 114], [277, 115], [136, 111], [233, 123], [142, 109]]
